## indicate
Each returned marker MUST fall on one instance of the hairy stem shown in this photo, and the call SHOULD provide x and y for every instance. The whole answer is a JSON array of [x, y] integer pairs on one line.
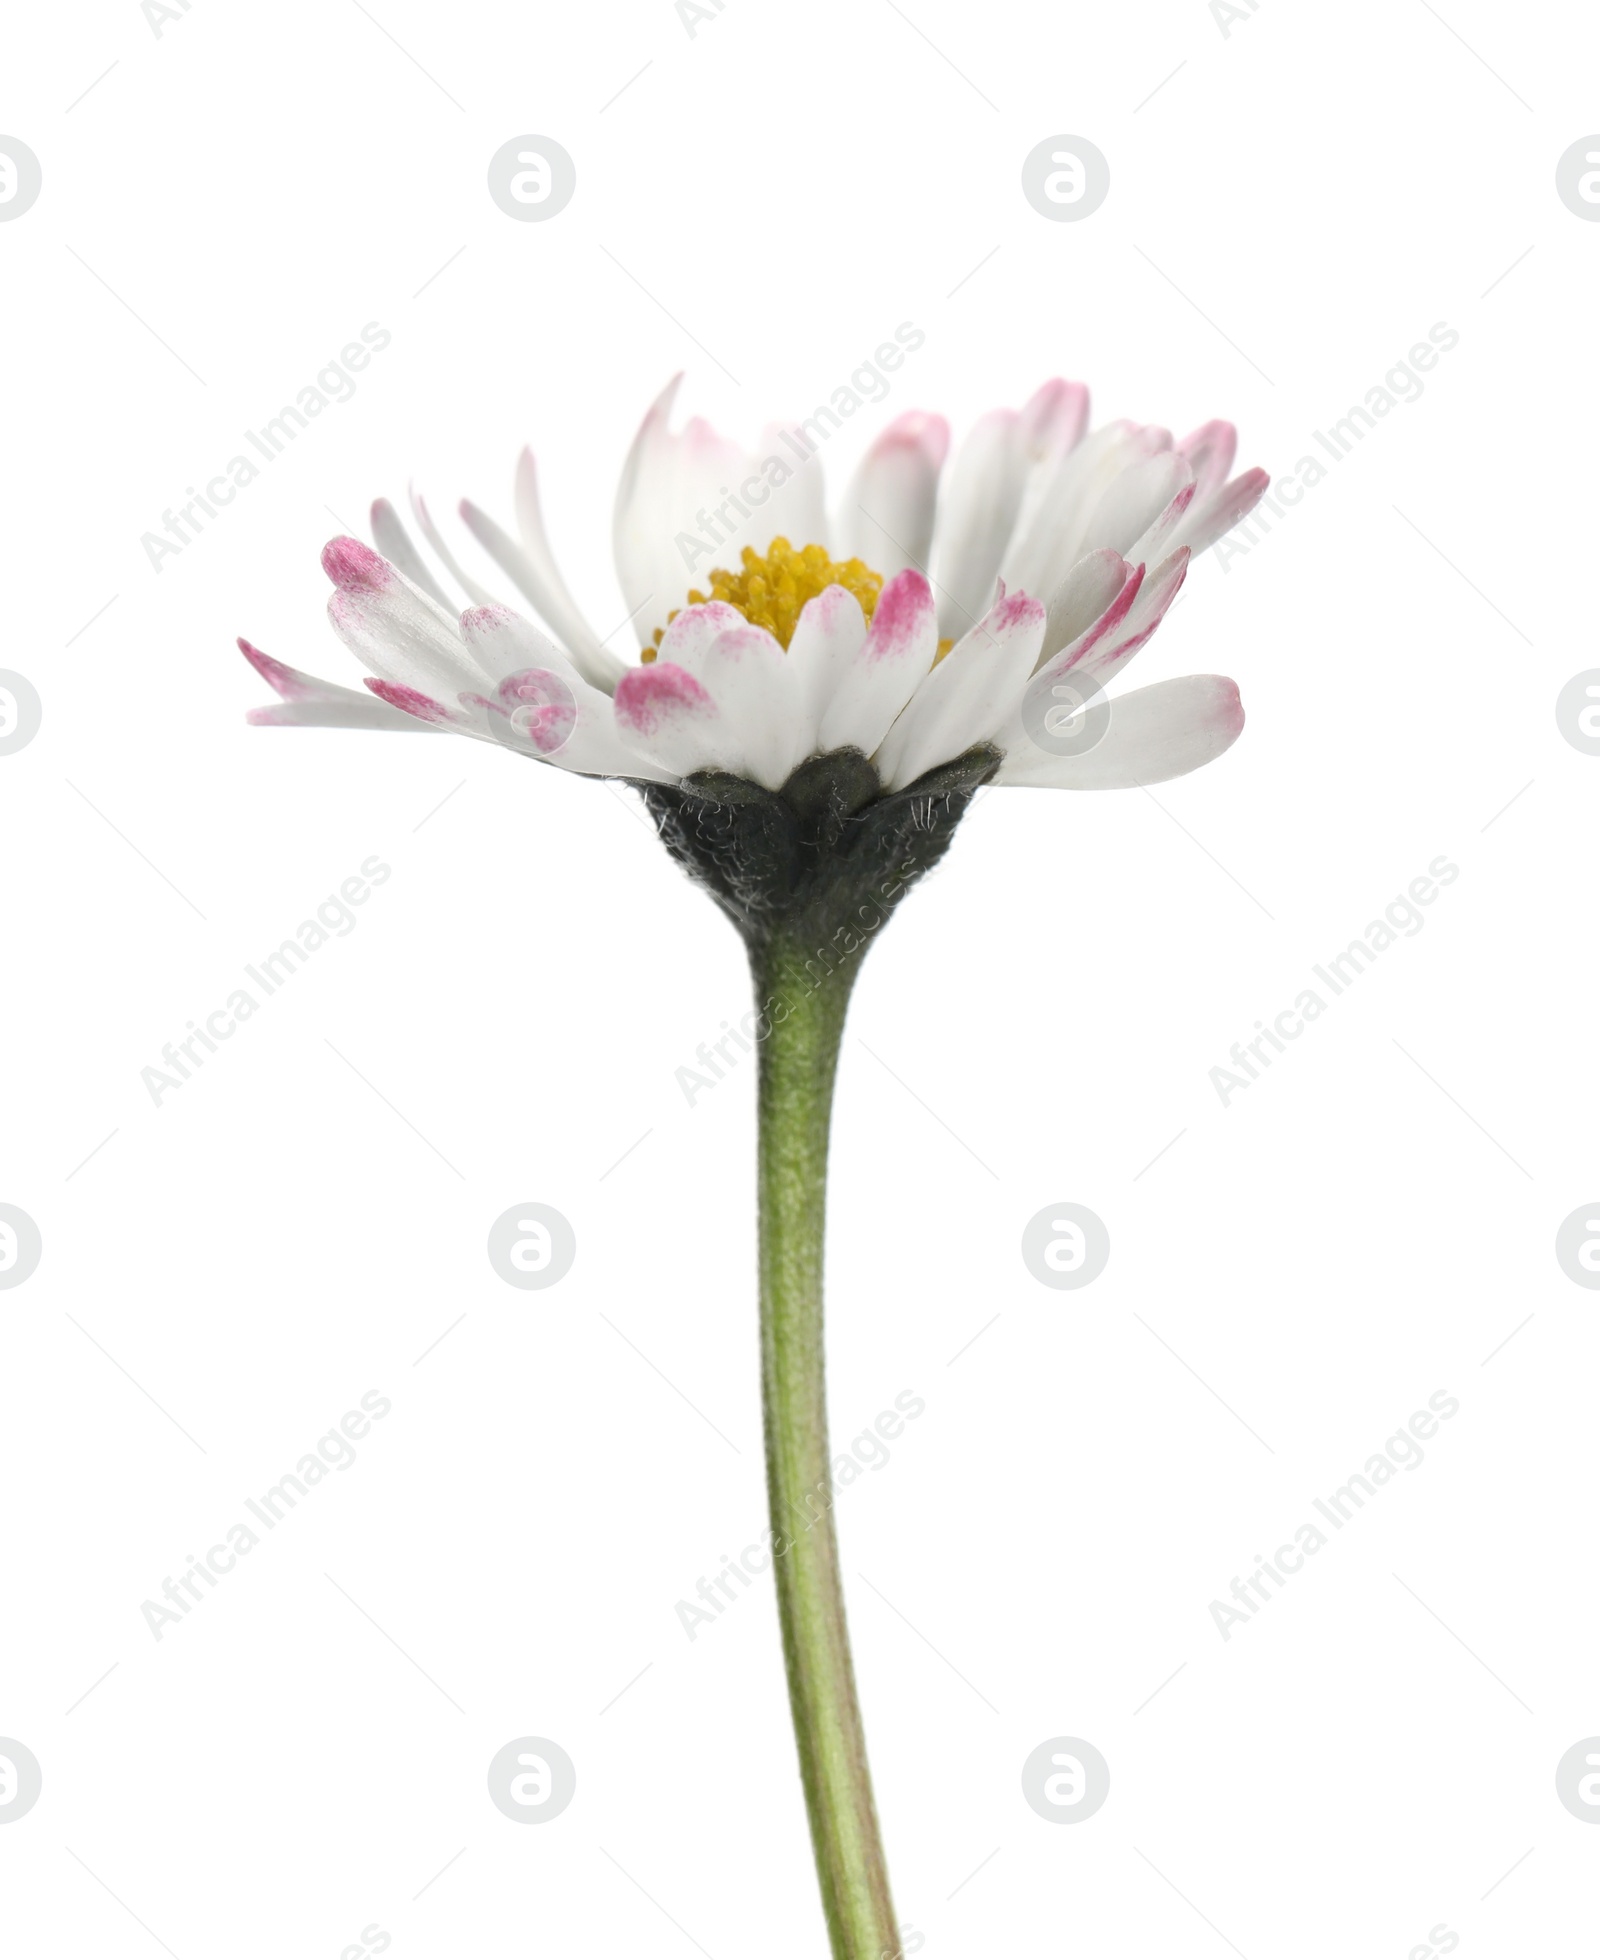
[[805, 1013]]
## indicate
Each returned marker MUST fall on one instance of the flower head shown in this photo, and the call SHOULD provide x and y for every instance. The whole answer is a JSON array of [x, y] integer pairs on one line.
[[969, 626]]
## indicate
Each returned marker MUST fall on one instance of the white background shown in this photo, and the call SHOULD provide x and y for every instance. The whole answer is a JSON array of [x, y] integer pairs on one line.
[[228, 1273]]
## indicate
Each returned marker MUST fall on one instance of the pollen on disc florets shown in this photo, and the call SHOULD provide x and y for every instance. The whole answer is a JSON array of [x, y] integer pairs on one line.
[[772, 589]]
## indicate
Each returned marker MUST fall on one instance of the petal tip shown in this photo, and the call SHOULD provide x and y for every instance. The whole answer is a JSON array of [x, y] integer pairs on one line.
[[409, 700], [905, 607], [355, 567], [648, 696], [281, 679]]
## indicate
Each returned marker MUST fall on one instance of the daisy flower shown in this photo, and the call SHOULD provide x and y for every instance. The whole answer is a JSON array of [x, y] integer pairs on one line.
[[811, 711], [924, 623]]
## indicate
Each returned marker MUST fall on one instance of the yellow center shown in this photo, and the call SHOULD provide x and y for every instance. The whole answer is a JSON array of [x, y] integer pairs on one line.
[[772, 590]]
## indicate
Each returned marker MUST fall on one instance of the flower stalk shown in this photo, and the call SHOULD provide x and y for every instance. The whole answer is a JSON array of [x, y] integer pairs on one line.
[[804, 1014], [809, 875]]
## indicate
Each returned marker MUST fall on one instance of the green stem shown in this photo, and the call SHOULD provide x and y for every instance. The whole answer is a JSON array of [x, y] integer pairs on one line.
[[799, 1058]]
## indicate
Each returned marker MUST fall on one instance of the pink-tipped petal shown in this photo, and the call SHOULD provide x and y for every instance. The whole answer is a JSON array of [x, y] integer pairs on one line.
[[969, 696], [1052, 526], [1113, 653], [1082, 596], [398, 633], [1003, 474], [975, 515], [904, 622], [411, 702], [503, 642], [1155, 543], [1101, 632], [889, 505], [918, 430], [356, 567], [666, 534], [1210, 451], [1209, 521], [881, 675], [287, 681], [1053, 419], [651, 698], [1105, 649], [664, 715], [311, 703], [691, 636]]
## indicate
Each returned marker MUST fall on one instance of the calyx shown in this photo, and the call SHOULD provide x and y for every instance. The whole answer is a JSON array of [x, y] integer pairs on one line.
[[816, 867]]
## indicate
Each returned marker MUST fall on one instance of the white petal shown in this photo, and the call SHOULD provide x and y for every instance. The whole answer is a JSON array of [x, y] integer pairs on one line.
[[1133, 502], [1161, 535], [480, 595], [428, 708], [1208, 520], [1106, 647], [503, 642], [974, 520], [1210, 451], [532, 569], [549, 716], [970, 696], [393, 628], [691, 636], [360, 711], [1052, 535], [670, 487], [874, 680], [1110, 639], [642, 492], [1106, 626], [311, 703], [826, 639], [999, 477], [1155, 733], [757, 694], [394, 543], [1081, 597], [664, 715], [566, 616], [1051, 425], [888, 508], [1111, 651]]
